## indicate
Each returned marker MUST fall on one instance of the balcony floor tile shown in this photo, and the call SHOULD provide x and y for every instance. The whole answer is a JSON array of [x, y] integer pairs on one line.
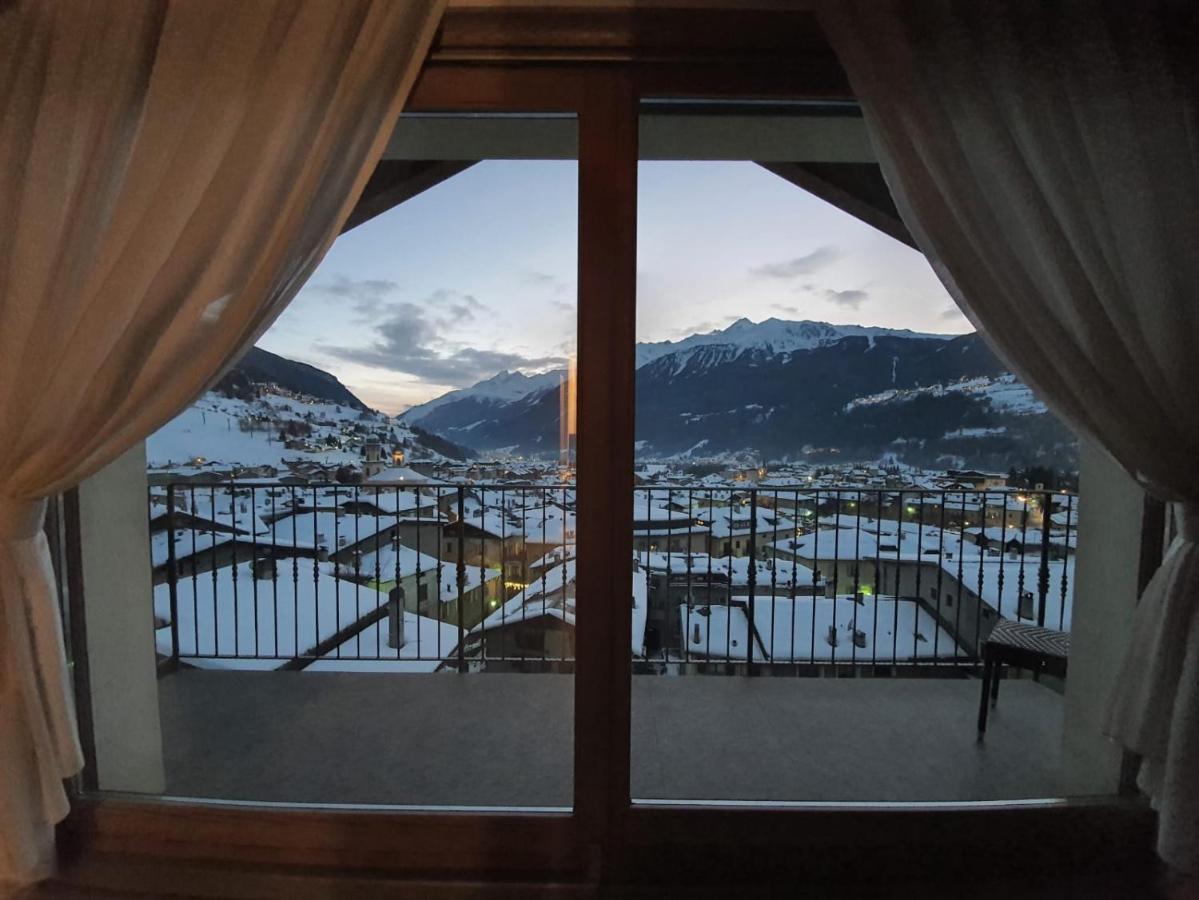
[[506, 739]]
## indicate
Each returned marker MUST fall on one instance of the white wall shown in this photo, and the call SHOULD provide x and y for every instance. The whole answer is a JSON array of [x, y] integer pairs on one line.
[[114, 534], [1105, 594]]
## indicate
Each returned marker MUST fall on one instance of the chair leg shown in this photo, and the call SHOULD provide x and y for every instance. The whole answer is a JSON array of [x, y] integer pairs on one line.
[[996, 677], [982, 705]]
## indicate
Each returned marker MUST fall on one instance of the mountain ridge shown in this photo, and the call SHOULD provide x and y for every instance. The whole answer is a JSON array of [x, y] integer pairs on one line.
[[770, 335], [259, 367], [791, 390]]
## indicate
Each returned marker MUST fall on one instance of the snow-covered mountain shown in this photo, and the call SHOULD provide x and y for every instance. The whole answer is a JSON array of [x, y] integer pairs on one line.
[[268, 410], [799, 390], [772, 336], [500, 389]]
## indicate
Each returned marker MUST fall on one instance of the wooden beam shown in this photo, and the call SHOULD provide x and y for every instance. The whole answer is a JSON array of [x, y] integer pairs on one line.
[[641, 34], [725, 51], [395, 181], [606, 403], [855, 188]]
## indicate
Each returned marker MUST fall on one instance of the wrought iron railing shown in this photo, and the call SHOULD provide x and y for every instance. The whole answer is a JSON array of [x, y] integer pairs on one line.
[[419, 577]]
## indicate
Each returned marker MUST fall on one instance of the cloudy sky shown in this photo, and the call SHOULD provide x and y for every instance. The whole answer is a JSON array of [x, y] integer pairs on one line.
[[478, 274]]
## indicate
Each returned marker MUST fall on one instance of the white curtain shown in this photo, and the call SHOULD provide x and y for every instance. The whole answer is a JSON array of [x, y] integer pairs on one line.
[[171, 171], [1045, 156]]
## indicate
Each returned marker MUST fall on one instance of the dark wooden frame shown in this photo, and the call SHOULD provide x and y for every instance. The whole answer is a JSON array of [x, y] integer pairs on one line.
[[598, 65]]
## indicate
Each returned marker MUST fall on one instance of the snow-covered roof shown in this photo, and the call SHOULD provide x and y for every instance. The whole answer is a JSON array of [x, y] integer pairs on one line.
[[553, 594], [785, 573], [1006, 599], [429, 567], [401, 475], [427, 643], [796, 630], [259, 618]]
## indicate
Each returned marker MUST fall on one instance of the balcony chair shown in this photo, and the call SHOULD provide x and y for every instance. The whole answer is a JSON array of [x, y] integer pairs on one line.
[[1013, 643]]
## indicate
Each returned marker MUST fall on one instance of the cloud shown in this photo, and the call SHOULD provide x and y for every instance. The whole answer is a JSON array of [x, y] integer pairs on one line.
[[818, 259], [951, 314], [703, 327], [365, 296], [411, 339], [847, 299], [546, 280], [453, 307], [784, 308]]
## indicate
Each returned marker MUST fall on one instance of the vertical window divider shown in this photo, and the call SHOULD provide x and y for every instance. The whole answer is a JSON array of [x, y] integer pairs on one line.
[[607, 236]]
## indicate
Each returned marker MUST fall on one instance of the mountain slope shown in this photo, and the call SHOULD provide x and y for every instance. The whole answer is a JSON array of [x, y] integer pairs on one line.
[[769, 336], [793, 390], [260, 367]]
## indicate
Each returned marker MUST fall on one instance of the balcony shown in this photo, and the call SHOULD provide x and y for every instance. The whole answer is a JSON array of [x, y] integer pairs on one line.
[[505, 740], [338, 626]]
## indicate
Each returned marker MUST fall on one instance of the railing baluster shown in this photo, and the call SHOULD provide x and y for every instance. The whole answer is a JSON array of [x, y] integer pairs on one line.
[[336, 566], [1043, 579], [216, 629], [461, 573], [172, 575], [1065, 576], [898, 577], [880, 581], [982, 552], [274, 574], [773, 563], [752, 628], [815, 576], [919, 568]]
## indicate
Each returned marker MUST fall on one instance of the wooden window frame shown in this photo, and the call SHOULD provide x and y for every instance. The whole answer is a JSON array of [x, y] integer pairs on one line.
[[599, 66]]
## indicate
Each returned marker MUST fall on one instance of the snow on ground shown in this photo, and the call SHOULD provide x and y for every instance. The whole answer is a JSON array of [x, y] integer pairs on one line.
[[806, 629], [1004, 393], [973, 432], [224, 432], [211, 429]]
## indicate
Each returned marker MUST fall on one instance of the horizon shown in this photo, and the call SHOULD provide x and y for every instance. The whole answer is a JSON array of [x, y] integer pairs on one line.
[[447, 289]]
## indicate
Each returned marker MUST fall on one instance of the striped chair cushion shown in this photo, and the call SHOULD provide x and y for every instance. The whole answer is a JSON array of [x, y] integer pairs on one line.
[[1009, 633]]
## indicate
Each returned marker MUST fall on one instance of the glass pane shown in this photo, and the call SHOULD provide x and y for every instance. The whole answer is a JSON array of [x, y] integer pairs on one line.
[[362, 538], [841, 490]]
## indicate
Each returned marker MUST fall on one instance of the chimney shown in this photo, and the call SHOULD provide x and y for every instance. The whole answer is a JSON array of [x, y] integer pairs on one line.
[[395, 618]]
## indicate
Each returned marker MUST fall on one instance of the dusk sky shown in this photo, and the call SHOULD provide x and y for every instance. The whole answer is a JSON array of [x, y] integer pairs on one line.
[[477, 274]]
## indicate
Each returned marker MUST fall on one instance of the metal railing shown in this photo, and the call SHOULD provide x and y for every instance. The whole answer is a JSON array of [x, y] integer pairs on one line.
[[401, 577], [804, 578]]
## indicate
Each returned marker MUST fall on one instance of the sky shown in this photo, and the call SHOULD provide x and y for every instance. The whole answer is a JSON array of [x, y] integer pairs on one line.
[[477, 275]]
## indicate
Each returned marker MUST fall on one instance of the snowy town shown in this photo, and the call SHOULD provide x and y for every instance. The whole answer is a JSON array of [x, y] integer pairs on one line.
[[289, 532]]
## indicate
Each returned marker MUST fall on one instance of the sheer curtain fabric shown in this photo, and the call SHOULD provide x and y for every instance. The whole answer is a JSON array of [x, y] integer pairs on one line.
[[1045, 156], [170, 174]]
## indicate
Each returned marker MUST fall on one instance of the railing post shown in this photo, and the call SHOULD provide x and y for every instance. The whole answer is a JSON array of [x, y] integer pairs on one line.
[[172, 574], [1043, 574], [461, 577], [753, 578]]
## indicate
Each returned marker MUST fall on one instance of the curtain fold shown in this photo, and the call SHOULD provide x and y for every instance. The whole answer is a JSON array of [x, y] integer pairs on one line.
[[171, 172], [1045, 157]]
